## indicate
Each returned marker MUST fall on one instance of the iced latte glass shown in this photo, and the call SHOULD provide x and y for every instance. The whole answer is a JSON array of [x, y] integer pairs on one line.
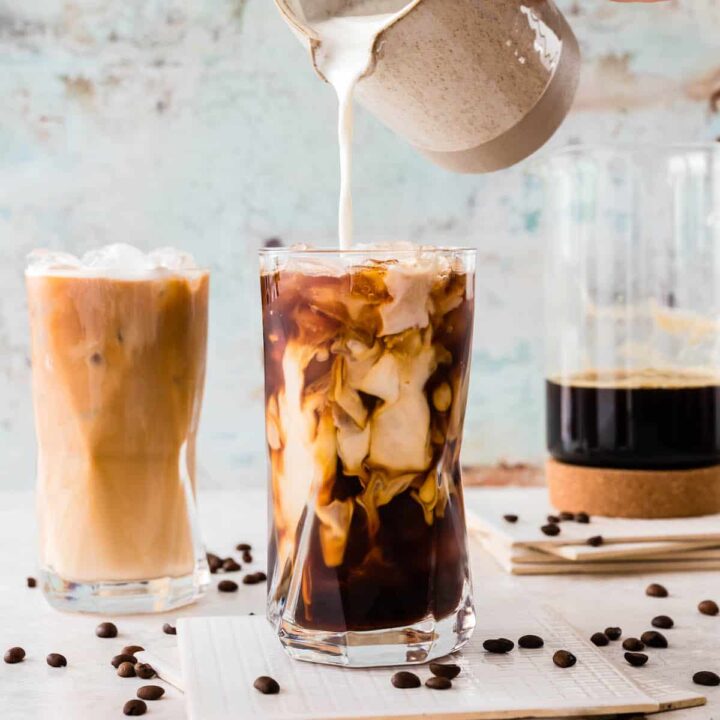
[[366, 372], [118, 360]]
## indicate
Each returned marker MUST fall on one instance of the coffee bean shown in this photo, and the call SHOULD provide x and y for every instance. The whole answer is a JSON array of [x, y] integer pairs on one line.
[[247, 557], [266, 685], [132, 649], [662, 621], [707, 678], [613, 633], [599, 639], [106, 630], [654, 639], [134, 707], [564, 659], [56, 660], [254, 578], [553, 519], [510, 518], [595, 541], [169, 629], [708, 607], [633, 644], [565, 516], [531, 642], [438, 683], [124, 657], [227, 586], [31, 582], [229, 565], [126, 669], [214, 562], [636, 659], [448, 671], [242, 547], [655, 590], [14, 655], [405, 680], [96, 358], [582, 517], [150, 692], [499, 645], [551, 530], [145, 671]]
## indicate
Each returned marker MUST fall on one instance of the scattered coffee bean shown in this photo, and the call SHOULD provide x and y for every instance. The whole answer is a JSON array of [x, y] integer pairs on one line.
[[582, 517], [134, 707], [449, 671], [552, 530], [599, 639], [56, 660], [124, 657], [531, 642], [247, 557], [438, 683], [266, 685], [510, 518], [254, 578], [613, 633], [633, 644], [595, 541], [565, 516], [498, 645], [405, 680], [214, 562], [14, 655], [169, 629], [707, 678], [106, 630], [662, 621], [655, 590], [654, 639], [227, 586], [708, 607], [242, 547], [132, 649], [636, 659], [229, 565], [564, 659], [553, 519], [31, 582], [145, 671], [126, 669], [150, 692]]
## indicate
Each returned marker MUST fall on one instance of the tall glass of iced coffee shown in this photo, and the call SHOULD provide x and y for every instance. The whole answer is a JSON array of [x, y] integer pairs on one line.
[[118, 361], [366, 372]]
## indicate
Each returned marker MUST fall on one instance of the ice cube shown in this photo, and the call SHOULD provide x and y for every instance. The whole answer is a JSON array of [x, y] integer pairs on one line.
[[42, 261], [119, 256], [172, 259]]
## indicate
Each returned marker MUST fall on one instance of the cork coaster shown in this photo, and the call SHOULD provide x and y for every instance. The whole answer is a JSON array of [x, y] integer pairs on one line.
[[634, 493]]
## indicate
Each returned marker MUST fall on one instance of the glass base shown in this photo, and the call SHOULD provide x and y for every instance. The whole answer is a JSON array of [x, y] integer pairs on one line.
[[125, 597], [415, 644]]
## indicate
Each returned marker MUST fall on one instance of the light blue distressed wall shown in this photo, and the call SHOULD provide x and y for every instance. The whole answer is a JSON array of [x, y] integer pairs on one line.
[[198, 123]]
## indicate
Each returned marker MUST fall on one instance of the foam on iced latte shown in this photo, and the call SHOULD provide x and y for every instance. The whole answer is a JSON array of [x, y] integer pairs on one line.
[[118, 357]]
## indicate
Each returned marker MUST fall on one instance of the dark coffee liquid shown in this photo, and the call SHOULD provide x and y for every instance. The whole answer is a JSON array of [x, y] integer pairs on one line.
[[648, 421]]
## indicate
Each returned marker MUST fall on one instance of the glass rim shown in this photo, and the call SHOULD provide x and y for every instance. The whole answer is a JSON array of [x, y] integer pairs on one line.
[[369, 252]]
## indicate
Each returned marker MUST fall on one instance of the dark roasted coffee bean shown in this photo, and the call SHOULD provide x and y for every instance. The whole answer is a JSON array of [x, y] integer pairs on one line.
[[134, 707], [499, 645], [655, 590], [707, 678], [613, 633], [56, 660], [227, 586], [599, 639], [229, 565], [404, 680], [247, 557], [150, 692], [531, 642], [654, 639], [636, 659], [595, 541], [510, 518], [214, 562], [438, 683], [565, 516], [663, 622], [553, 519], [132, 649], [254, 578], [449, 671], [266, 685], [106, 630], [14, 655], [582, 517], [145, 671], [31, 582], [242, 547], [169, 629], [564, 659], [633, 644], [126, 669], [124, 657], [708, 607], [552, 530]]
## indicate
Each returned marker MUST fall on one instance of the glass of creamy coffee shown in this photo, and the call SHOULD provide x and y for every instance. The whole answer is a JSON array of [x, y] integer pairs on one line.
[[367, 354], [118, 364]]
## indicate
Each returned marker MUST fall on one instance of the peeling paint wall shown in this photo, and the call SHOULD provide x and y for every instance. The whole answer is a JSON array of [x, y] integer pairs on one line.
[[198, 123]]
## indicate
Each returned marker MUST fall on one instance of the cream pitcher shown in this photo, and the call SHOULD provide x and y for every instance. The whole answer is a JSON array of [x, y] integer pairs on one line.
[[474, 85]]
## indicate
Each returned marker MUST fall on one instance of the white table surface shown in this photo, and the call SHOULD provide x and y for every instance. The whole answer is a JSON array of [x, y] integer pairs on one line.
[[89, 688]]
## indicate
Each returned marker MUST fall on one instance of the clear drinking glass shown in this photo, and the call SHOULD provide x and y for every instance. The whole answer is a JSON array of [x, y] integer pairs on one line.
[[366, 372], [118, 372]]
